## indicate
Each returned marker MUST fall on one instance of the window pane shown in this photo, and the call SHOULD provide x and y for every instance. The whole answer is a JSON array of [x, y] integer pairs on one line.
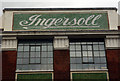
[[37, 60], [85, 59], [84, 53], [84, 47], [78, 66], [44, 54], [72, 54], [78, 54], [50, 48], [97, 60], [89, 47], [78, 47], [103, 66], [32, 54], [103, 60], [73, 66], [44, 48], [26, 54], [90, 59], [37, 54], [50, 60], [78, 60], [90, 53], [26, 61], [26, 48], [95, 47], [97, 66], [37, 48], [96, 53], [50, 54], [19, 61], [102, 53], [32, 48], [101, 47], [32, 60], [20, 54], [44, 61], [20, 48], [85, 66], [72, 47], [91, 66], [72, 60]]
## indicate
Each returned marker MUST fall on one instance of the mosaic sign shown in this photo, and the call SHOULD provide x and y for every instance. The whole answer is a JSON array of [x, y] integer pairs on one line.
[[28, 21]]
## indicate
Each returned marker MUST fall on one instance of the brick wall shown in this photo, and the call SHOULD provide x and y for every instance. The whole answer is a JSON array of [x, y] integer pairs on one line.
[[61, 65], [113, 59], [8, 65]]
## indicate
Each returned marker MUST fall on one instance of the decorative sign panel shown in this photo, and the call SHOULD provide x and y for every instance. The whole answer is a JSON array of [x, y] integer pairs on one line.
[[30, 21]]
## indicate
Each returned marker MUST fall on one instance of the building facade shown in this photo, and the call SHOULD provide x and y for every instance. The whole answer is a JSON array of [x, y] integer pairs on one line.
[[60, 44]]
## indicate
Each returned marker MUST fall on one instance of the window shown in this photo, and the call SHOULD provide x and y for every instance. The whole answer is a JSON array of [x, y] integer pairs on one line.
[[35, 55], [86, 54]]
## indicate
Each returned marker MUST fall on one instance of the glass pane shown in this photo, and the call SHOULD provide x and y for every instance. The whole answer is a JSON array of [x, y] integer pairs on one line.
[[50, 48], [85, 66], [72, 60], [32, 54], [103, 60], [50, 67], [37, 60], [32, 48], [78, 53], [32, 60], [44, 61], [20, 54], [25, 67], [89, 47], [91, 66], [44, 54], [50, 54], [83, 42], [96, 53], [103, 66], [72, 54], [26, 54], [37, 54], [19, 61], [50, 60], [85, 59], [95, 47], [89, 42], [90, 53], [72, 47], [78, 60], [101, 47], [84, 53], [102, 53], [19, 67], [43, 67], [77, 43], [90, 59], [26, 61], [78, 66], [84, 47], [97, 66], [26, 48], [37, 48], [20, 48], [97, 60], [73, 66], [78, 47], [44, 48]]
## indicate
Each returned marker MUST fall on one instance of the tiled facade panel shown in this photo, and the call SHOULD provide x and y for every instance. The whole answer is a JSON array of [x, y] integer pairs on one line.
[[61, 65], [113, 59], [8, 65]]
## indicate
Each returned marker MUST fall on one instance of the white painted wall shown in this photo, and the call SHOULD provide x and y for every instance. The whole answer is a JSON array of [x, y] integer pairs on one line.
[[112, 16]]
